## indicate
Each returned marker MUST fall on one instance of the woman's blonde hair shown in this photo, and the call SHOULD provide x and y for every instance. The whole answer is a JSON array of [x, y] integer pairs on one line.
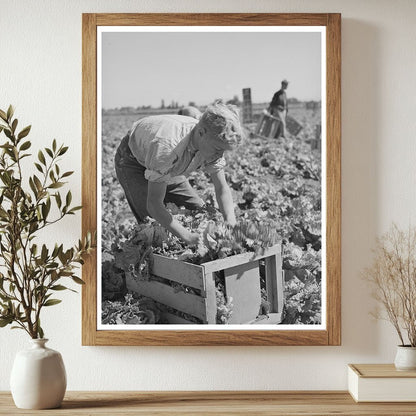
[[223, 121]]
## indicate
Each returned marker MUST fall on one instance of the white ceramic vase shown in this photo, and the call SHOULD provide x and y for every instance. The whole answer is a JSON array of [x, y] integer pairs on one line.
[[38, 378], [405, 358]]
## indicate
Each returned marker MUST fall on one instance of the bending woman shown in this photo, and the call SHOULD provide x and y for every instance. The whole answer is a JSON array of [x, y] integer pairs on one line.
[[155, 157]]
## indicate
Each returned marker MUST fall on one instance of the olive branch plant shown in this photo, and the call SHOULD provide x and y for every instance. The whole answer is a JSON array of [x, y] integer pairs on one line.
[[393, 278], [31, 274]]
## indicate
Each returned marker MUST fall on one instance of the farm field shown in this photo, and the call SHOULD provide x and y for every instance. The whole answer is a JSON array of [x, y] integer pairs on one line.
[[276, 184]]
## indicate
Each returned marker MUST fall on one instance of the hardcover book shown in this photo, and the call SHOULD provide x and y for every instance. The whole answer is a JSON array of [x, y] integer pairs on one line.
[[381, 383]]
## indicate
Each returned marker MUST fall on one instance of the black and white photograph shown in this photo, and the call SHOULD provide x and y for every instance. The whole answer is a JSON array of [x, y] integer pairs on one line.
[[211, 177]]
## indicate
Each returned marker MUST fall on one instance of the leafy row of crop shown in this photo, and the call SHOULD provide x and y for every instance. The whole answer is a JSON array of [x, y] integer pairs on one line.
[[277, 190]]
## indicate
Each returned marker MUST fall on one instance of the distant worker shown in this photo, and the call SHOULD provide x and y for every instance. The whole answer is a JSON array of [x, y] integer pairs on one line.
[[278, 108], [190, 111]]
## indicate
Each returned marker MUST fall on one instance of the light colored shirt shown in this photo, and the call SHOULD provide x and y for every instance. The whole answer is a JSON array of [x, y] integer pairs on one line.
[[162, 145]]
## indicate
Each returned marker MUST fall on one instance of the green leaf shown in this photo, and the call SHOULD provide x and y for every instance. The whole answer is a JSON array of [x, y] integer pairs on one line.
[[41, 157], [8, 133], [5, 179], [10, 112], [58, 199], [57, 250], [59, 287], [3, 115], [44, 253], [51, 302], [34, 249], [25, 145], [24, 132], [33, 187], [4, 298], [14, 125], [49, 152], [63, 150], [5, 321], [45, 211], [40, 331], [68, 199], [39, 167], [77, 208], [54, 145], [56, 185], [67, 174], [78, 280], [62, 257], [3, 214], [37, 183]]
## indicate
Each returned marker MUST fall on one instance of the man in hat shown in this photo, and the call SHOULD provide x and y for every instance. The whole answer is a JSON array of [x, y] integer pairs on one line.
[[278, 108]]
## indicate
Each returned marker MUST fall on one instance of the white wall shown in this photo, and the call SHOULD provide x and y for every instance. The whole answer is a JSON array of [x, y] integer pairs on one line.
[[40, 73]]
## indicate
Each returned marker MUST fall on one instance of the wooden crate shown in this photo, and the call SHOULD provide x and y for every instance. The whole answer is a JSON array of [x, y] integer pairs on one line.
[[293, 126], [242, 283], [267, 125]]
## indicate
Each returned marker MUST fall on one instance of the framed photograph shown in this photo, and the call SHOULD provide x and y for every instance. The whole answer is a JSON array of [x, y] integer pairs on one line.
[[211, 172]]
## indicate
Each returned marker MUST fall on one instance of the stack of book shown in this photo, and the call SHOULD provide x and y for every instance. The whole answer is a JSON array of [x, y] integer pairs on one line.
[[381, 383]]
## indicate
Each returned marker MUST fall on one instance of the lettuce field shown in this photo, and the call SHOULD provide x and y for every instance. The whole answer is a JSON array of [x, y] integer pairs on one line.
[[276, 186]]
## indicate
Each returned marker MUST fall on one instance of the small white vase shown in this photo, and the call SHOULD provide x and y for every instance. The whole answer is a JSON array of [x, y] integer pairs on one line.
[[38, 377], [405, 358]]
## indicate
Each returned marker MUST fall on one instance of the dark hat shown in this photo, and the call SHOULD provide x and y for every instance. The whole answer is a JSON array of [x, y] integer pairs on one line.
[[285, 81]]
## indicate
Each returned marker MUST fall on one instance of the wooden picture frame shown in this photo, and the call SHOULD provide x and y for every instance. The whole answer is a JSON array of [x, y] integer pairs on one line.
[[331, 335]]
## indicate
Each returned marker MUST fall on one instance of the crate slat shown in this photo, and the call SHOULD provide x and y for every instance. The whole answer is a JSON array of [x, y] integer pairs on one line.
[[274, 282], [242, 273], [242, 283], [238, 259], [178, 271], [184, 302], [211, 299]]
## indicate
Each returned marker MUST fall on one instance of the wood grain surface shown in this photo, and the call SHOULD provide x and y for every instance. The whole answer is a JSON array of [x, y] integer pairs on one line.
[[212, 19], [89, 173], [332, 334], [380, 371], [333, 179], [212, 403]]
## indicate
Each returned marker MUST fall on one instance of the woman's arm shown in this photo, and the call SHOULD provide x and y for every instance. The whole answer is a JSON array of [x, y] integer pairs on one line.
[[156, 209], [224, 197]]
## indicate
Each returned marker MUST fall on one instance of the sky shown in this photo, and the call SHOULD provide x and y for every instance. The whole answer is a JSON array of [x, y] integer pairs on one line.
[[142, 68]]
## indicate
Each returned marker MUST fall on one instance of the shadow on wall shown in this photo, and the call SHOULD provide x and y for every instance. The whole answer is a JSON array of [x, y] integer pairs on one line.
[[361, 96]]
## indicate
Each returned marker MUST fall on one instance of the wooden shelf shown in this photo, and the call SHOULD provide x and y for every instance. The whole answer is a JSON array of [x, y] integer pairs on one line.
[[317, 403]]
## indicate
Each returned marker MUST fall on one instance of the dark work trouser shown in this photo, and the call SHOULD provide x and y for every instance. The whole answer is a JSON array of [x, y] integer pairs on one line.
[[130, 174]]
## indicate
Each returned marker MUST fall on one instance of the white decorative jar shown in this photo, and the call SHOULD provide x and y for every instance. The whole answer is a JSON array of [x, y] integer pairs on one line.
[[38, 378], [405, 358]]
